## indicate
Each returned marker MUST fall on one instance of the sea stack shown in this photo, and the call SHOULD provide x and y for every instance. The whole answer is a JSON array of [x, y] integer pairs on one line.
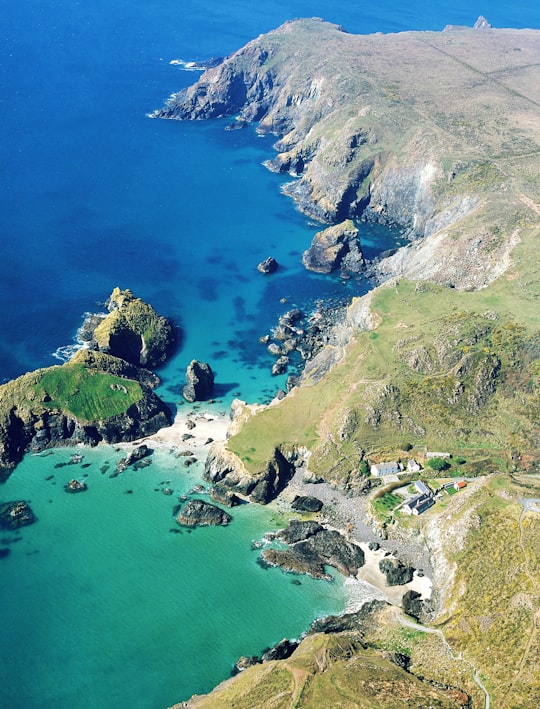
[[199, 381]]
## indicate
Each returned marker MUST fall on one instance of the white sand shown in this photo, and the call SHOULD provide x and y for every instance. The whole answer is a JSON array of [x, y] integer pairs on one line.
[[208, 425], [371, 573]]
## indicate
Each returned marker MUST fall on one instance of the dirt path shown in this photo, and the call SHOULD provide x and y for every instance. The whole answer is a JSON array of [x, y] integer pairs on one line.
[[455, 656]]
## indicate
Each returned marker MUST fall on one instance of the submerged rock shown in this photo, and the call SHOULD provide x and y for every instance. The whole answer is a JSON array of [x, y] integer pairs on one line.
[[196, 513], [16, 514], [199, 381]]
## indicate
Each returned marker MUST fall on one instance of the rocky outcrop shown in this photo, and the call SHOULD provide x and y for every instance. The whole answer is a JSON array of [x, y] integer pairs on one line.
[[396, 573], [306, 503], [312, 547], [45, 408], [336, 247], [133, 331], [221, 495], [16, 514], [269, 265], [199, 381], [73, 486], [137, 455], [197, 513], [261, 486]]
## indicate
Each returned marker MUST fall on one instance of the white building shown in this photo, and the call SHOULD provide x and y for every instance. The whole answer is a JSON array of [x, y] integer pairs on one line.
[[379, 470]]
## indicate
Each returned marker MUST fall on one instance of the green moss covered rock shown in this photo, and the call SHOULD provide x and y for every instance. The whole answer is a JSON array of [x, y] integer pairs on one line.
[[134, 331]]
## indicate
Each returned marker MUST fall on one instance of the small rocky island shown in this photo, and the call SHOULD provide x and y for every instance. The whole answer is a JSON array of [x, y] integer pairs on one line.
[[198, 513], [16, 514], [104, 393]]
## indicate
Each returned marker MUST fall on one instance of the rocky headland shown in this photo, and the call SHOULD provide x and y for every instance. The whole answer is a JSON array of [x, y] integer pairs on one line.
[[391, 128]]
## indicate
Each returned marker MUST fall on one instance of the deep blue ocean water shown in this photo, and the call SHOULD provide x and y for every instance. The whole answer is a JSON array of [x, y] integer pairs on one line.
[[94, 195]]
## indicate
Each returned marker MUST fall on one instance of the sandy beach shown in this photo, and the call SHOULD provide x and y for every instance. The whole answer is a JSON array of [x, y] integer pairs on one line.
[[192, 428]]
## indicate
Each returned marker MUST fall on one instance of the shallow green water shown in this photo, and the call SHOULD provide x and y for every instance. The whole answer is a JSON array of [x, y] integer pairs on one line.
[[102, 605]]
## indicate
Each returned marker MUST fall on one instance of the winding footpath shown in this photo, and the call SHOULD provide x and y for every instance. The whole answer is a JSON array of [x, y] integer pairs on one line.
[[458, 657]]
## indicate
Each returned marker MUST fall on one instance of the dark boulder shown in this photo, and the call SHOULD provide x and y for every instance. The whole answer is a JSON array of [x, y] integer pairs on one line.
[[281, 651], [269, 265], [199, 381], [306, 503], [412, 604], [197, 513], [396, 573]]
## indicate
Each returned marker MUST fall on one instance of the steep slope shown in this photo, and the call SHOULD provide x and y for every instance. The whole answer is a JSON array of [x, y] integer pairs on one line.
[[427, 130]]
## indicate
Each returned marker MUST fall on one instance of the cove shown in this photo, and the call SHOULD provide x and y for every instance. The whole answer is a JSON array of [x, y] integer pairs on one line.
[[103, 605]]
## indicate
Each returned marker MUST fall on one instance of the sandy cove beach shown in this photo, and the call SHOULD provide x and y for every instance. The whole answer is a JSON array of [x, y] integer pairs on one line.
[[195, 428], [192, 428]]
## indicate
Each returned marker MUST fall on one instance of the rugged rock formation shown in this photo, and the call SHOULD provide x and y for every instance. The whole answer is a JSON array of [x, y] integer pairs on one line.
[[133, 331], [73, 486], [306, 503], [281, 651], [391, 128], [197, 513], [199, 381], [220, 494], [396, 573], [336, 247], [136, 455], [269, 265], [312, 547], [261, 486]]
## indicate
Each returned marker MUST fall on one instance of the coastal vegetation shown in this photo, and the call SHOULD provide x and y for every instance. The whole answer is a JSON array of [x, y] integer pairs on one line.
[[436, 133], [95, 396]]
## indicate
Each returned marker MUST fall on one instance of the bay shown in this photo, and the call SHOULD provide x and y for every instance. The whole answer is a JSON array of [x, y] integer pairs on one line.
[[101, 605]]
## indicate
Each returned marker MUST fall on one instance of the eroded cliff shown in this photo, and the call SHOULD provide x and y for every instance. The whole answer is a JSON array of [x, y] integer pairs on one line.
[[428, 130]]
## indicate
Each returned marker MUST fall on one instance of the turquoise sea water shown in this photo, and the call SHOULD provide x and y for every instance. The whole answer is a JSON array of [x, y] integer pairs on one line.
[[100, 604], [103, 605]]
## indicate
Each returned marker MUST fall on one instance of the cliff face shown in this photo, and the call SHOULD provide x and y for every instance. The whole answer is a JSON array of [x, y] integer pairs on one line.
[[396, 128], [133, 331], [75, 404], [228, 472]]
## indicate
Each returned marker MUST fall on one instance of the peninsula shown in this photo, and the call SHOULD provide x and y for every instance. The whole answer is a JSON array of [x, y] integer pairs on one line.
[[436, 132]]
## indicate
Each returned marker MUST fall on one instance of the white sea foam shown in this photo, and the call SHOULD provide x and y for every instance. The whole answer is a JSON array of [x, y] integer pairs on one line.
[[361, 592], [82, 337], [186, 65]]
